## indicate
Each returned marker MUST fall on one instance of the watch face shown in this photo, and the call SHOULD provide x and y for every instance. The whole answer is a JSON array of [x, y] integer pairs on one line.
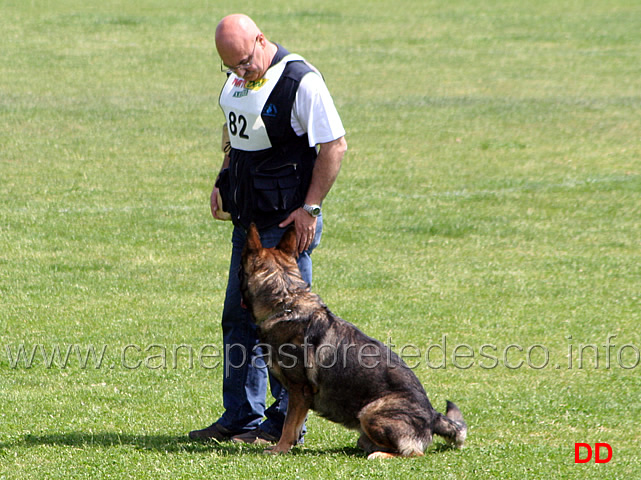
[[313, 210]]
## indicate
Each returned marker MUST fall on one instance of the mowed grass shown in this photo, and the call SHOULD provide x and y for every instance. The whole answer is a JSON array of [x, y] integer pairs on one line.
[[485, 222]]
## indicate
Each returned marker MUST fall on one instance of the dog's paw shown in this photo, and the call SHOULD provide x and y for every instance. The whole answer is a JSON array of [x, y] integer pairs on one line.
[[276, 450], [381, 455]]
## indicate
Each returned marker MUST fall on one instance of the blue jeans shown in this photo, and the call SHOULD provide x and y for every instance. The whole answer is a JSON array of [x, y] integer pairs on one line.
[[245, 372]]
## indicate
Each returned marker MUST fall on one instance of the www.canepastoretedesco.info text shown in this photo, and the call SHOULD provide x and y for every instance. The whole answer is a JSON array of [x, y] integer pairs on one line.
[[443, 354]]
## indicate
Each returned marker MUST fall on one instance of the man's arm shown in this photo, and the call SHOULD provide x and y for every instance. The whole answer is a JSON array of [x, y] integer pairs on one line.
[[225, 147], [326, 168], [213, 199]]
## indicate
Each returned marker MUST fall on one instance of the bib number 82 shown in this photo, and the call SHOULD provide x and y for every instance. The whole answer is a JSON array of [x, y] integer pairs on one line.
[[238, 125]]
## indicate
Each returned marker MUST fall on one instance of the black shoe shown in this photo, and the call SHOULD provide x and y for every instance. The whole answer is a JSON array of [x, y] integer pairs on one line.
[[212, 432]]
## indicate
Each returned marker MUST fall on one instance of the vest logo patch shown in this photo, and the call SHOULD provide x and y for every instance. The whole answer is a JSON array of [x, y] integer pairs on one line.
[[239, 84], [256, 85], [271, 110]]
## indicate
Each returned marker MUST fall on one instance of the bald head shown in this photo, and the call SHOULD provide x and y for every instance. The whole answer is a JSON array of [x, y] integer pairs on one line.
[[240, 41], [235, 33]]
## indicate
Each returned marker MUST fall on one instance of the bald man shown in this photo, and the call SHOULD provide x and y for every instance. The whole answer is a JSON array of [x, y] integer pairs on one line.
[[287, 144]]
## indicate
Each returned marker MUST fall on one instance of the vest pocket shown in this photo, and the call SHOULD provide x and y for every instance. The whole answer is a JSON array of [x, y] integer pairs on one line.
[[276, 189]]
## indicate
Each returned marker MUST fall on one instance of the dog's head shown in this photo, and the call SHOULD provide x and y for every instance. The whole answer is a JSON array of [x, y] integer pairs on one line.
[[269, 277]]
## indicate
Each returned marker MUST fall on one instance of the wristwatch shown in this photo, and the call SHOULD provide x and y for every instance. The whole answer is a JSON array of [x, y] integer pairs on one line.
[[313, 210]]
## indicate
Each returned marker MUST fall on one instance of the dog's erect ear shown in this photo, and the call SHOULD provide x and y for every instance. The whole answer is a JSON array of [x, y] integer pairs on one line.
[[288, 243], [253, 239]]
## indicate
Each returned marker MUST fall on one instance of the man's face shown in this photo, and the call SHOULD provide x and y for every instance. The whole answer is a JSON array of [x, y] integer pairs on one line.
[[249, 66]]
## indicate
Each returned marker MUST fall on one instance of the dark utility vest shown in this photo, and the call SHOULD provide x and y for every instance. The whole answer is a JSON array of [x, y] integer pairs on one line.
[[271, 167]]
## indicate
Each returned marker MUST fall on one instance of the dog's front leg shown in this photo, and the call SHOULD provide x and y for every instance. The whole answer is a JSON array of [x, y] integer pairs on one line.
[[297, 409]]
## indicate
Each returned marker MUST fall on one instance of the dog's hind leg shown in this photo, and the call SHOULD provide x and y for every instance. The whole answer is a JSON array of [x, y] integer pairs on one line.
[[387, 434], [373, 450], [297, 409], [367, 445], [451, 426]]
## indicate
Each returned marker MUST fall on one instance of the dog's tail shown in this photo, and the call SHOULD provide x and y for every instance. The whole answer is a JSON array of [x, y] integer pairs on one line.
[[451, 426]]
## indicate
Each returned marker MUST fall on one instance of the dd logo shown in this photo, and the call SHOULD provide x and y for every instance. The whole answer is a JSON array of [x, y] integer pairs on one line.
[[588, 453]]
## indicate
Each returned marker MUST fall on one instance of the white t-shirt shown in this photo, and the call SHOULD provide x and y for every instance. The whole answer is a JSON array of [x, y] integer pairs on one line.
[[314, 112]]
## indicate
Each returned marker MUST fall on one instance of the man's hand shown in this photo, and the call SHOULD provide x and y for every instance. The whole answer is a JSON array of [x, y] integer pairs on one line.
[[326, 168], [305, 228], [216, 212]]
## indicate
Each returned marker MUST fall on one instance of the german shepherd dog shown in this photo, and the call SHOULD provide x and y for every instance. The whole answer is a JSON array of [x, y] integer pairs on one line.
[[330, 366]]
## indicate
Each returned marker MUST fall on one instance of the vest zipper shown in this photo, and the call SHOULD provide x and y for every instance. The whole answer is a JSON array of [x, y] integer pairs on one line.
[[279, 167]]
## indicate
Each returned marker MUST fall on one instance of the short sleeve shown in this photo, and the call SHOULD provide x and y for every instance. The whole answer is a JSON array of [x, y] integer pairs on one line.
[[314, 112]]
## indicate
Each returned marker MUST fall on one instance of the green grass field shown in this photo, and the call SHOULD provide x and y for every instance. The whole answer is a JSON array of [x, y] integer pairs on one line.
[[486, 221]]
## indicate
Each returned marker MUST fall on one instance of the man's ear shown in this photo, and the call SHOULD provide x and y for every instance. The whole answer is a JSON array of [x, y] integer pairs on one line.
[[288, 243]]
